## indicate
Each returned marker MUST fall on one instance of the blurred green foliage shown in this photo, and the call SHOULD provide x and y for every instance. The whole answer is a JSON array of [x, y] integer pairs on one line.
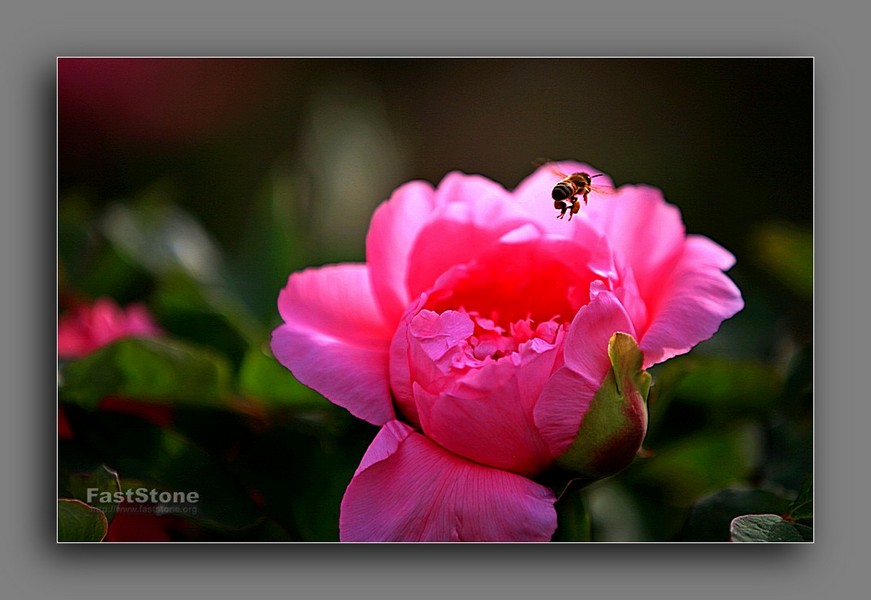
[[200, 194]]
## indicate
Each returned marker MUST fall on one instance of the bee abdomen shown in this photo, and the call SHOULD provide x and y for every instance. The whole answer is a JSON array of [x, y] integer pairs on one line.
[[561, 191]]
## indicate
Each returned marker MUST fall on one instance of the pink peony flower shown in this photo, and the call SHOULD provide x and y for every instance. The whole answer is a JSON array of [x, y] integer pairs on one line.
[[485, 336]]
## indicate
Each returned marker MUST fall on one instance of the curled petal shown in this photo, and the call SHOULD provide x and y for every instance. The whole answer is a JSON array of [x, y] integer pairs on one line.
[[695, 299], [334, 339], [408, 488], [586, 347]]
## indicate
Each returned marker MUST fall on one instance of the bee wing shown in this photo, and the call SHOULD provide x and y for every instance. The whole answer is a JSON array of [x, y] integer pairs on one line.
[[604, 190], [546, 162]]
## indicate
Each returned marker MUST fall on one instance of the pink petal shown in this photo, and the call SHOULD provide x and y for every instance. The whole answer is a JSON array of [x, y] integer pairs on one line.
[[334, 339], [336, 300], [472, 213], [711, 253], [408, 488], [446, 243], [569, 392], [586, 345], [626, 289], [392, 232], [439, 334], [487, 416], [561, 407], [695, 299], [438, 342], [515, 279], [480, 408], [406, 246], [400, 374], [645, 232], [473, 199]]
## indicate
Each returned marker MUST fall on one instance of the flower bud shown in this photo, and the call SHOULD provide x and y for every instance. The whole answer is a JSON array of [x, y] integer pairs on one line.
[[614, 426]]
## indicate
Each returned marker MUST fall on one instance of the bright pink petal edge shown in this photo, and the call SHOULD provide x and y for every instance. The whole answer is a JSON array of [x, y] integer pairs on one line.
[[696, 299], [335, 341], [410, 489]]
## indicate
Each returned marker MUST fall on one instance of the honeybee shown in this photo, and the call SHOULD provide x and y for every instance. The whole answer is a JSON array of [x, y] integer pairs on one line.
[[565, 193]]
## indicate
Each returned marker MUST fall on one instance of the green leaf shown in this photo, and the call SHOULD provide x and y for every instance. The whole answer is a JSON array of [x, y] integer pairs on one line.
[[87, 264], [763, 528], [787, 252], [78, 522], [802, 508], [205, 313], [798, 387], [729, 385], [92, 488], [158, 370], [710, 517], [789, 452], [697, 465], [276, 240], [806, 532], [264, 378]]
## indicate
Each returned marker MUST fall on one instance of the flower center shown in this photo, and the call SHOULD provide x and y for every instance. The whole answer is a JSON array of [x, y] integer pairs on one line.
[[491, 340], [516, 289]]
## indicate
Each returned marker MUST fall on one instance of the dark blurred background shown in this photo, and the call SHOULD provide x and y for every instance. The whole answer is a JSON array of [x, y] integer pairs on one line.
[[177, 176], [730, 141]]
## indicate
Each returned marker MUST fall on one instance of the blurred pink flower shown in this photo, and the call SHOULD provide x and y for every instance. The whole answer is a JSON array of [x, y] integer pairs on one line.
[[477, 334], [89, 327], [86, 328]]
